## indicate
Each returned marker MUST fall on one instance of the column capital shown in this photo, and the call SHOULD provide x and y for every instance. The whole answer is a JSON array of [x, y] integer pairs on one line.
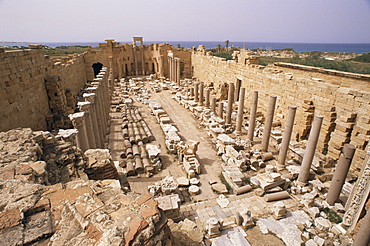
[[77, 119], [89, 97], [84, 106]]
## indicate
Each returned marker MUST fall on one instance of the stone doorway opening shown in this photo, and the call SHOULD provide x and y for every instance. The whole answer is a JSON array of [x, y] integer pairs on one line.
[[97, 66]]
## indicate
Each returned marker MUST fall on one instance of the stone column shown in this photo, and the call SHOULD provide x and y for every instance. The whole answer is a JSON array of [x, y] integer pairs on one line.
[[173, 69], [79, 124], [85, 107], [230, 101], [178, 71], [201, 95], [192, 92], [309, 153], [363, 235], [220, 109], [340, 173], [90, 97], [252, 117], [196, 92], [286, 137], [213, 103], [207, 98], [268, 124], [240, 117]]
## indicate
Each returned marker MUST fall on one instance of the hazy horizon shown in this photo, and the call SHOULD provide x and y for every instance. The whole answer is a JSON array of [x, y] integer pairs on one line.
[[284, 21]]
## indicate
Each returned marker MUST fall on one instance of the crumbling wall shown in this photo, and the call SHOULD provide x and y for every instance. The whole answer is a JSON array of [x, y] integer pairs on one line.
[[23, 98], [342, 98]]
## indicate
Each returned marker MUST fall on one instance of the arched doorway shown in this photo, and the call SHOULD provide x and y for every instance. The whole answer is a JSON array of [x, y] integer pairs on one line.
[[97, 67]]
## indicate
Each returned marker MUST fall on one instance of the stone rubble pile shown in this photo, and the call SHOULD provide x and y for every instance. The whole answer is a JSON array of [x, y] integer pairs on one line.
[[46, 196]]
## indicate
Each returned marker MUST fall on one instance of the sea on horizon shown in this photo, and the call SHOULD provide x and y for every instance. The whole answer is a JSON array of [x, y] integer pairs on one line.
[[298, 47]]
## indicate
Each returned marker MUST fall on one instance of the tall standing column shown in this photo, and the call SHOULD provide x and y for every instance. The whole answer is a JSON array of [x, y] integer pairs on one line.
[[286, 137], [213, 103], [169, 67], [309, 153], [363, 235], [196, 92], [340, 173], [240, 117], [268, 124], [85, 107], [173, 70], [90, 97], [178, 71], [230, 101], [192, 92], [201, 94], [220, 112], [252, 117], [207, 98], [79, 124]]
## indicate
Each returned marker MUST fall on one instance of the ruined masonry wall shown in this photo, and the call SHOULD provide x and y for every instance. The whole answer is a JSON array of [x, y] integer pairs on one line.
[[23, 99], [343, 101]]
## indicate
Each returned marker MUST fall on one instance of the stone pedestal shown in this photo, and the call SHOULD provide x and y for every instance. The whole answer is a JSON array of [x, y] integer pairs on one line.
[[286, 137], [309, 153], [268, 123], [340, 173], [230, 101], [240, 116], [252, 117]]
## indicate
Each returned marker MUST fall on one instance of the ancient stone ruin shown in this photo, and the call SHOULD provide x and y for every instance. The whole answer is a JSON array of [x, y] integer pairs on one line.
[[135, 144]]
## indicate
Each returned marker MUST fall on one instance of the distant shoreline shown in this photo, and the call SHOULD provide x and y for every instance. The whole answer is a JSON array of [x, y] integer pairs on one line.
[[297, 47]]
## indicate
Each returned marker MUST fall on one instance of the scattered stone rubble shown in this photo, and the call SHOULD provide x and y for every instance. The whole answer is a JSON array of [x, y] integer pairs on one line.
[[46, 196]]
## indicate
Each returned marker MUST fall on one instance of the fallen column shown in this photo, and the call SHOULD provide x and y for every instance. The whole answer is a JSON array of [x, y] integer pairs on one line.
[[309, 153], [276, 196], [340, 173], [286, 137]]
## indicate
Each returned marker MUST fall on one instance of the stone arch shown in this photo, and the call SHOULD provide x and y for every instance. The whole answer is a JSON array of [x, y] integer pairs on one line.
[[97, 66]]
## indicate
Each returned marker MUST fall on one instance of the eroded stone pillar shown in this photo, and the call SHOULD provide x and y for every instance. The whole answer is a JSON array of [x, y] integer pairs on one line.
[[178, 71], [207, 97], [252, 117], [286, 137], [79, 124], [192, 92], [220, 109], [230, 101], [240, 116], [98, 131], [309, 153], [201, 94], [363, 235], [268, 123], [213, 103], [85, 107], [340, 173], [196, 92]]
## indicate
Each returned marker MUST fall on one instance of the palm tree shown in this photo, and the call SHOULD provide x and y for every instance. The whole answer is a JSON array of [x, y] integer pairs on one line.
[[227, 44]]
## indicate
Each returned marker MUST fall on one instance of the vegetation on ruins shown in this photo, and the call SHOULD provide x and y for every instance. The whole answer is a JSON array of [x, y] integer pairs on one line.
[[359, 64]]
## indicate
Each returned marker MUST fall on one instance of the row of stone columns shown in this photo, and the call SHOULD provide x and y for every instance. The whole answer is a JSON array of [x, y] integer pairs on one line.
[[91, 121], [174, 68]]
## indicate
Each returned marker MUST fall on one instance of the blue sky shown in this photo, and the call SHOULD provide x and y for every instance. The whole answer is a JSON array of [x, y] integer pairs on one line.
[[314, 21]]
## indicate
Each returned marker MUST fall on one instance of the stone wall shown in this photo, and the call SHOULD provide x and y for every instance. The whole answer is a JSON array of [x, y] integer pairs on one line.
[[342, 98], [23, 98]]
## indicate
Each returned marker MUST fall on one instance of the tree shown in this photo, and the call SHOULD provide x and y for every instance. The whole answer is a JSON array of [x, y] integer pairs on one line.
[[227, 44]]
